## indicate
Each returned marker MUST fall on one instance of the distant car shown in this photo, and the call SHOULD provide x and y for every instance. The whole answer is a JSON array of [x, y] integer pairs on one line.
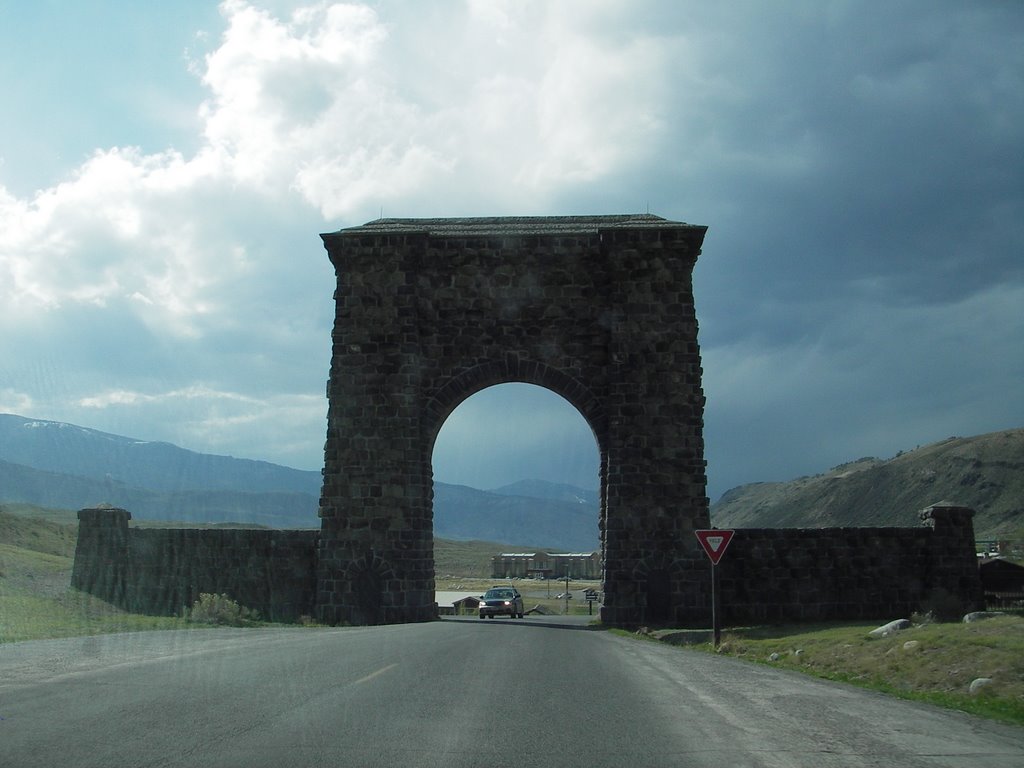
[[501, 601]]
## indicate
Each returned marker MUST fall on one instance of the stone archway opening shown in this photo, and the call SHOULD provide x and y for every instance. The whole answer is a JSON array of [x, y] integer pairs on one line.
[[521, 440], [528, 432]]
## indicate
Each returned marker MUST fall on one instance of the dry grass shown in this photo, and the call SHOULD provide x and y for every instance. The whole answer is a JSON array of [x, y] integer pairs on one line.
[[933, 662]]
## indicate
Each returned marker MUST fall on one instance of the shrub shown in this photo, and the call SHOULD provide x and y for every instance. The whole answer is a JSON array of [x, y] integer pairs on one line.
[[221, 609]]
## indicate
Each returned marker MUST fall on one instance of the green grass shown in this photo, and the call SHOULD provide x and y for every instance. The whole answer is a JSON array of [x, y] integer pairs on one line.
[[37, 529], [937, 667], [37, 602], [27, 617]]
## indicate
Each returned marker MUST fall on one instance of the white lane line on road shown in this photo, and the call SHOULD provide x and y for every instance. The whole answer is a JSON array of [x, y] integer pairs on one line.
[[372, 675]]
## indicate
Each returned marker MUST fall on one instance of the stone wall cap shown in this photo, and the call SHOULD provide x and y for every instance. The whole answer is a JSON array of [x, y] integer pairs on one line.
[[947, 505], [513, 225], [101, 511]]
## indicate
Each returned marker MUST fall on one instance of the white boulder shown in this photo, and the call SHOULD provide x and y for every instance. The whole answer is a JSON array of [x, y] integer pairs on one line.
[[891, 628]]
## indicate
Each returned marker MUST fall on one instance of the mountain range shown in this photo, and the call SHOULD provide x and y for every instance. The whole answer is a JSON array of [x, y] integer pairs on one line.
[[984, 472], [65, 466]]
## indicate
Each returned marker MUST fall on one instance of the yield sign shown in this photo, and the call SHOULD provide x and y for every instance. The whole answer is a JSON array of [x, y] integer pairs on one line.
[[714, 542]]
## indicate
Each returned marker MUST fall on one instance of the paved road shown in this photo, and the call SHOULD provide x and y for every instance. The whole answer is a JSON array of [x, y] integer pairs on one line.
[[451, 693]]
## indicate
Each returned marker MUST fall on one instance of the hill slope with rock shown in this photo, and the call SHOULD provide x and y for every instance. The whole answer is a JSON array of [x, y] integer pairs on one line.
[[985, 472]]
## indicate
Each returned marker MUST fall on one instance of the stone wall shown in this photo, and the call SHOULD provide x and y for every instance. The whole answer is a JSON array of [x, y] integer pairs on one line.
[[164, 570], [769, 575], [766, 575]]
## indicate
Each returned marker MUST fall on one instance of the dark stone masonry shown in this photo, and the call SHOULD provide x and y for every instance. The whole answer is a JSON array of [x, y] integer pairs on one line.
[[164, 570], [598, 309], [781, 574]]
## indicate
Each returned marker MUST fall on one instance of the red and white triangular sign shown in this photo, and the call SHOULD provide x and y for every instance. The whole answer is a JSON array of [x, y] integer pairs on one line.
[[714, 542]]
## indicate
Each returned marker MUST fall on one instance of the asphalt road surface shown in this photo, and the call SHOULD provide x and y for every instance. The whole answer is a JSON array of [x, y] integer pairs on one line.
[[452, 693]]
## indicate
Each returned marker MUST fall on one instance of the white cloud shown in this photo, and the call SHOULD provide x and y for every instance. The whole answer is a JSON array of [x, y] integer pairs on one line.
[[196, 392], [335, 103], [13, 401], [116, 229], [277, 426], [328, 104]]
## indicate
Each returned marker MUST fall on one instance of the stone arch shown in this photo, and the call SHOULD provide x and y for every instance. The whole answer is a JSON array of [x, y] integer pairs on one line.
[[598, 309]]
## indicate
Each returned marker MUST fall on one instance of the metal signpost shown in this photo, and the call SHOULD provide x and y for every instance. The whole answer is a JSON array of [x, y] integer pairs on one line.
[[714, 543]]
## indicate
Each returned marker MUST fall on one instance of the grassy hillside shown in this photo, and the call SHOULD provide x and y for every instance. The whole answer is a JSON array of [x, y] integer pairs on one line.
[[985, 473], [470, 558], [49, 531]]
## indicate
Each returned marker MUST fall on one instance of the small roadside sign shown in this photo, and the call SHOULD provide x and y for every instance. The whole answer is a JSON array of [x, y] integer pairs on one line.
[[714, 543]]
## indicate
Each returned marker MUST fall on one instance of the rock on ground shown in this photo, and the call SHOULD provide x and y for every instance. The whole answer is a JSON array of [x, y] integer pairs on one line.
[[981, 615], [891, 628], [978, 683]]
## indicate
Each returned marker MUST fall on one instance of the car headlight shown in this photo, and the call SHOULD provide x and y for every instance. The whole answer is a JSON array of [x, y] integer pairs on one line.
[[508, 602]]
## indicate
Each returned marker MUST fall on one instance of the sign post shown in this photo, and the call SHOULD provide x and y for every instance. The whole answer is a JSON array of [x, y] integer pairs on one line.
[[714, 542]]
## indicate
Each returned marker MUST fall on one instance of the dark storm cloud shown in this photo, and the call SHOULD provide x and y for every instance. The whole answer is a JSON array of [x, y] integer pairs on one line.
[[860, 172]]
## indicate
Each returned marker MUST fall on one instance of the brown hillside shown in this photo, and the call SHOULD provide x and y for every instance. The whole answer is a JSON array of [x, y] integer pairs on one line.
[[985, 473]]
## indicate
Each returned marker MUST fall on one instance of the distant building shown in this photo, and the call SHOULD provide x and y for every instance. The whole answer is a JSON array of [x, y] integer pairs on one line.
[[546, 565], [456, 603]]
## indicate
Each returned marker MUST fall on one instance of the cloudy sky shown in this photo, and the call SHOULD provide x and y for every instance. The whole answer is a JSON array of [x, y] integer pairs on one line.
[[165, 169]]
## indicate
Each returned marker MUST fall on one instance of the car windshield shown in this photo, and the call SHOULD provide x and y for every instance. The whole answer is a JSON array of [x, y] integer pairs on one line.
[[498, 594]]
